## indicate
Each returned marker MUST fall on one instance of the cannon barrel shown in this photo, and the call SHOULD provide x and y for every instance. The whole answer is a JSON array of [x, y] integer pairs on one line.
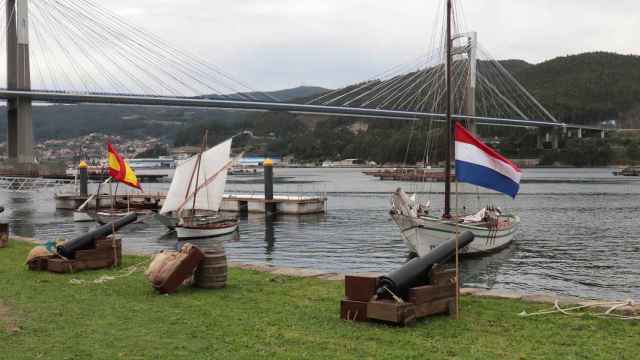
[[88, 240], [400, 280]]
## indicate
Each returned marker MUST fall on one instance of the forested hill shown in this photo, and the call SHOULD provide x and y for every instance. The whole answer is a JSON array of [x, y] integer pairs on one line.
[[587, 88]]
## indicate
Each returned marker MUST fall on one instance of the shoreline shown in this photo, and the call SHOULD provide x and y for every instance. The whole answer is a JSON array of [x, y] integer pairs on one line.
[[627, 307]]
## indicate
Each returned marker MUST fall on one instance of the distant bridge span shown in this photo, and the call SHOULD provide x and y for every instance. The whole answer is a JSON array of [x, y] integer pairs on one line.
[[243, 105]]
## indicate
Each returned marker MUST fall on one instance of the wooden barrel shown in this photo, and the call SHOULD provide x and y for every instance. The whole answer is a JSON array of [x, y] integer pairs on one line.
[[212, 271]]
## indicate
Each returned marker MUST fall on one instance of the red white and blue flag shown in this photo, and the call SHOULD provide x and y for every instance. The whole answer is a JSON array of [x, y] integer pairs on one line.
[[479, 164]]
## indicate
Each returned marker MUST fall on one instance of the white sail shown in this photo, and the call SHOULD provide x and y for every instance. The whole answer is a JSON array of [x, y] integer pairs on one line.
[[212, 170]]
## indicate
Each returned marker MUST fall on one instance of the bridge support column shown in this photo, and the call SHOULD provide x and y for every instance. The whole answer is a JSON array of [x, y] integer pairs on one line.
[[602, 134], [555, 139], [539, 141], [579, 133], [19, 116]]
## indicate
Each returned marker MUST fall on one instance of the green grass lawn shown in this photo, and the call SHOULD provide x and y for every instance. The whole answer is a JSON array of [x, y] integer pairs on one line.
[[260, 315]]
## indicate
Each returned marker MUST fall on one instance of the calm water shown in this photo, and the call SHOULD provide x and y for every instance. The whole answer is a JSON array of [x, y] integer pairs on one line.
[[579, 233]]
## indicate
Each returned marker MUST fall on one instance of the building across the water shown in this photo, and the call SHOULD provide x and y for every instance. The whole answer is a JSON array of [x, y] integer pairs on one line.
[[162, 162]]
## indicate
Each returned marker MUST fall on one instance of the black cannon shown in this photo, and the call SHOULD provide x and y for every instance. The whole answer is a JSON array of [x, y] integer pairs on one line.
[[87, 241], [413, 272]]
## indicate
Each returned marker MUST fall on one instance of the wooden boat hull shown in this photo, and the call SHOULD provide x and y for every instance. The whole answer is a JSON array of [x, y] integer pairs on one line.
[[82, 216], [206, 230], [105, 217], [423, 234]]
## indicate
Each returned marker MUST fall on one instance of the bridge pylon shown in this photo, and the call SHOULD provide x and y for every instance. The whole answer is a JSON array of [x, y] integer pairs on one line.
[[19, 114], [470, 49]]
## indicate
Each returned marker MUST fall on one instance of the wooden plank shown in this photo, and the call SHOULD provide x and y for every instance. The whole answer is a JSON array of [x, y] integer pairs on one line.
[[390, 311], [428, 293], [98, 254], [453, 310], [353, 310], [434, 307], [70, 266], [360, 288]]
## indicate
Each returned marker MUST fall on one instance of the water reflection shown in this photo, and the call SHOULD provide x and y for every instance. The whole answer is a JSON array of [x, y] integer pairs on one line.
[[22, 207], [482, 271], [269, 236]]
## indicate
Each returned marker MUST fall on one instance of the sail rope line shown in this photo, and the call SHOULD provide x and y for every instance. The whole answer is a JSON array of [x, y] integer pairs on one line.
[[192, 62], [406, 154], [103, 29]]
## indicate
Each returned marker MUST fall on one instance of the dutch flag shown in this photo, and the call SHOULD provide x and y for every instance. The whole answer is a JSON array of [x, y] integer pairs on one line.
[[479, 164]]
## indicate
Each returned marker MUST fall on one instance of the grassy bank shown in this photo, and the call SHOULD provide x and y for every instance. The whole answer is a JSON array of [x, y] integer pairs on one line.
[[259, 315]]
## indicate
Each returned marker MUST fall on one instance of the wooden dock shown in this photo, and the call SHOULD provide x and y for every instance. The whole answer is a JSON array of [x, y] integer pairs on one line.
[[409, 174], [240, 203]]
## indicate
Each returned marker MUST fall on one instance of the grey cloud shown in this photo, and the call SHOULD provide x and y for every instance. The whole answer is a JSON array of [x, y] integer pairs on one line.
[[281, 43]]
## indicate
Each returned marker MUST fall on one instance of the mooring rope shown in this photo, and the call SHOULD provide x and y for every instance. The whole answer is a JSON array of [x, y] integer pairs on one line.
[[106, 278], [607, 314]]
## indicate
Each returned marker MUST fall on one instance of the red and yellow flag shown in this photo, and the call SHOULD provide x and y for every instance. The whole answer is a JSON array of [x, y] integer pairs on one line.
[[120, 171]]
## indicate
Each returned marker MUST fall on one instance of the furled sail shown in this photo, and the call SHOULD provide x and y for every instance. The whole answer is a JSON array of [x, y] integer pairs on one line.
[[209, 185]]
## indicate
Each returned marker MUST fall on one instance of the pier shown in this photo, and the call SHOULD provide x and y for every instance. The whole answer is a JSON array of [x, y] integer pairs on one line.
[[408, 174], [239, 203]]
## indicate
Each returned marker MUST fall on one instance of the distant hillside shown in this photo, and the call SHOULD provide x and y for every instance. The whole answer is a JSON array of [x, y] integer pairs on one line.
[[298, 92], [587, 88], [513, 66], [282, 95]]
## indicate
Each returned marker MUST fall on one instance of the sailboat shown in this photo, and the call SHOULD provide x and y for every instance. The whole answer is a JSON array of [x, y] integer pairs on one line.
[[493, 230], [119, 172], [196, 191]]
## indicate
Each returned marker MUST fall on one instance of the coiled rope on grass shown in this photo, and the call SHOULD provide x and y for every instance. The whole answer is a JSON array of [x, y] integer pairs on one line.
[[571, 311], [139, 267]]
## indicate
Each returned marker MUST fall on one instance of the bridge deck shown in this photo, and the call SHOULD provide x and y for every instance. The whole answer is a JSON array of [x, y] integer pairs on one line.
[[94, 98]]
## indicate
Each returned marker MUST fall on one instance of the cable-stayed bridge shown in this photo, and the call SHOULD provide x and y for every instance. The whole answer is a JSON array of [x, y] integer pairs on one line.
[[76, 51]]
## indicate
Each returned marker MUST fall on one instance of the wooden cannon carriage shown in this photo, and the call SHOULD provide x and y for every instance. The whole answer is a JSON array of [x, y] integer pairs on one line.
[[362, 304]]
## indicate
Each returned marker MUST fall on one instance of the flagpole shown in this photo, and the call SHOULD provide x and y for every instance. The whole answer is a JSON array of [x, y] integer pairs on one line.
[[457, 257], [447, 171]]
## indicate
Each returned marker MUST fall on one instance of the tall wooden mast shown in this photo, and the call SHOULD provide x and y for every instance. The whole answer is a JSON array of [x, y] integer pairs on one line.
[[450, 127]]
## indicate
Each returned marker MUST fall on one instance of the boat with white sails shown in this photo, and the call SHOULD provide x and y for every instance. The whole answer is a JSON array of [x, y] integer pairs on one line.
[[476, 163], [193, 201]]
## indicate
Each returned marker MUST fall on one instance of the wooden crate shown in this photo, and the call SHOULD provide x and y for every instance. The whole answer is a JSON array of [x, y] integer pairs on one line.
[[392, 311], [360, 288], [353, 310]]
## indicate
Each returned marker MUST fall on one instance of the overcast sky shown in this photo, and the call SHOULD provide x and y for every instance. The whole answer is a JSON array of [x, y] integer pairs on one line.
[[274, 44]]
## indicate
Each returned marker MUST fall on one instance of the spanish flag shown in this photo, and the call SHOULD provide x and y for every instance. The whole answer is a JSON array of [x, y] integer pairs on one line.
[[120, 171]]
